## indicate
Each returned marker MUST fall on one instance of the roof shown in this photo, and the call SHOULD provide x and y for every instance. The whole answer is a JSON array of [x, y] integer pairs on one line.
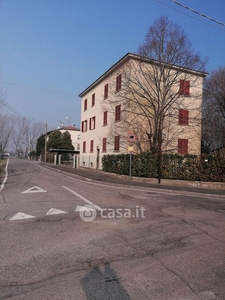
[[69, 128], [128, 56]]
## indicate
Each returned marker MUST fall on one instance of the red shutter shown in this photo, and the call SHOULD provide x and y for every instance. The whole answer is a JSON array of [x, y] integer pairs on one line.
[[105, 118], [90, 124], [82, 126], [118, 82], [117, 143], [84, 146], [117, 113], [104, 145], [106, 91], [85, 104], [93, 100], [92, 146], [93, 122], [183, 117], [184, 87], [182, 146]]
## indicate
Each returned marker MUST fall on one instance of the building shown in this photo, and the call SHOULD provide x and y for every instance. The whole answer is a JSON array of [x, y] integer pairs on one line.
[[125, 100], [75, 135]]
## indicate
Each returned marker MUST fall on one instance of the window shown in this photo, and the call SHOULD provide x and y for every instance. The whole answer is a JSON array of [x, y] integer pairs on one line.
[[84, 147], [118, 82], [182, 146], [105, 118], [85, 104], [92, 146], [78, 147], [106, 88], [104, 144], [183, 117], [92, 123], [117, 143], [84, 126], [184, 87], [93, 100], [117, 112]]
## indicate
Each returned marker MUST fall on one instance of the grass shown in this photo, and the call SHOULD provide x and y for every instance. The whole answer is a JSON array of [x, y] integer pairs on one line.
[[2, 164]]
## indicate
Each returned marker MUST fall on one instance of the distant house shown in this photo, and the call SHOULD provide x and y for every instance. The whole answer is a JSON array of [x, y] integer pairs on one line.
[[74, 133], [104, 116]]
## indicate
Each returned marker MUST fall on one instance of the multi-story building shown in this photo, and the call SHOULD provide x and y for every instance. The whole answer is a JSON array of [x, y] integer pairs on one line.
[[137, 95]]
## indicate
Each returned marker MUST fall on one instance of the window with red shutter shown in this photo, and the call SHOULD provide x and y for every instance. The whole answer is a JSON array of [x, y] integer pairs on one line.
[[84, 147], [184, 87], [85, 104], [92, 123], [85, 125], [106, 87], [118, 82], [117, 143], [104, 144], [183, 146], [105, 118], [117, 113], [82, 126], [183, 117], [93, 100], [92, 146]]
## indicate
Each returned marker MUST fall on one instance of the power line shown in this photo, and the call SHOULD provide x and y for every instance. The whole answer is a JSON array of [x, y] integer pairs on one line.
[[37, 88], [18, 113], [189, 15], [197, 12]]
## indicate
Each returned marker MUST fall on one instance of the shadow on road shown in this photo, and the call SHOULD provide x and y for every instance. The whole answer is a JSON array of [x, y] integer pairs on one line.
[[103, 285]]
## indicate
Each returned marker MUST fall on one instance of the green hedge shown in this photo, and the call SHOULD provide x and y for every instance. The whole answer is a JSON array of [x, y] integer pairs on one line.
[[174, 166]]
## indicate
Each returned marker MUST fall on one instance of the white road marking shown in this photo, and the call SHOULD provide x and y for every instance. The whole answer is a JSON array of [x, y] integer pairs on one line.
[[6, 176], [34, 189], [82, 208], [54, 211], [20, 216], [81, 197]]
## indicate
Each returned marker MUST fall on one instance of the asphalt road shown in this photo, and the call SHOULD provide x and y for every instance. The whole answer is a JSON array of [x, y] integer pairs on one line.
[[142, 244]]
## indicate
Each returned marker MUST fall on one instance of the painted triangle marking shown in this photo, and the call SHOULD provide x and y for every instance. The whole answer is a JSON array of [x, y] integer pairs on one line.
[[21, 216], [34, 189], [54, 211]]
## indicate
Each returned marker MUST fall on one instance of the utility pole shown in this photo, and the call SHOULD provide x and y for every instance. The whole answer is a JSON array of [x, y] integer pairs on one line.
[[46, 129]]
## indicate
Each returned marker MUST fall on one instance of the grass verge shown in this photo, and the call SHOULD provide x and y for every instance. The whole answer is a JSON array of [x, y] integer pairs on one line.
[[2, 164]]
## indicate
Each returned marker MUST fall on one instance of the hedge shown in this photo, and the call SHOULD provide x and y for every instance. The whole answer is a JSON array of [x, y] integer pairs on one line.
[[174, 166]]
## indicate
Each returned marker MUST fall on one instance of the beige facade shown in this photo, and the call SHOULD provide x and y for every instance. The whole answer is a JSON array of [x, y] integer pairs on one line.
[[115, 104]]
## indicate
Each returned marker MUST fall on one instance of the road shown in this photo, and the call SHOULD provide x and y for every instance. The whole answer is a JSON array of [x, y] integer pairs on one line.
[[142, 244]]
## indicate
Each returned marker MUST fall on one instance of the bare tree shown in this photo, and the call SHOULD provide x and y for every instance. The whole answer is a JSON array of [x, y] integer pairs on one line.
[[154, 88], [5, 131], [213, 123], [32, 134], [20, 130]]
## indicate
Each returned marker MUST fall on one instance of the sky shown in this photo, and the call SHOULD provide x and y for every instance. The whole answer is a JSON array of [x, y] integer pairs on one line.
[[51, 50]]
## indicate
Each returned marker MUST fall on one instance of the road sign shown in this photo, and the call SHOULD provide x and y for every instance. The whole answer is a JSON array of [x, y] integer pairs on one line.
[[131, 137]]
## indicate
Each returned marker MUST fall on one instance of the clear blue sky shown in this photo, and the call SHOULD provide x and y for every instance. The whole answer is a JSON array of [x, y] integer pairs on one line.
[[64, 45]]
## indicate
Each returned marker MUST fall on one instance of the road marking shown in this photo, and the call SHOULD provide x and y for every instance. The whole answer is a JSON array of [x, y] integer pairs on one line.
[[54, 211], [81, 197], [34, 189], [6, 176], [21, 216]]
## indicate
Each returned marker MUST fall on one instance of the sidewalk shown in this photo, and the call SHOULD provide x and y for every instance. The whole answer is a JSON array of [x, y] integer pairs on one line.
[[166, 185]]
